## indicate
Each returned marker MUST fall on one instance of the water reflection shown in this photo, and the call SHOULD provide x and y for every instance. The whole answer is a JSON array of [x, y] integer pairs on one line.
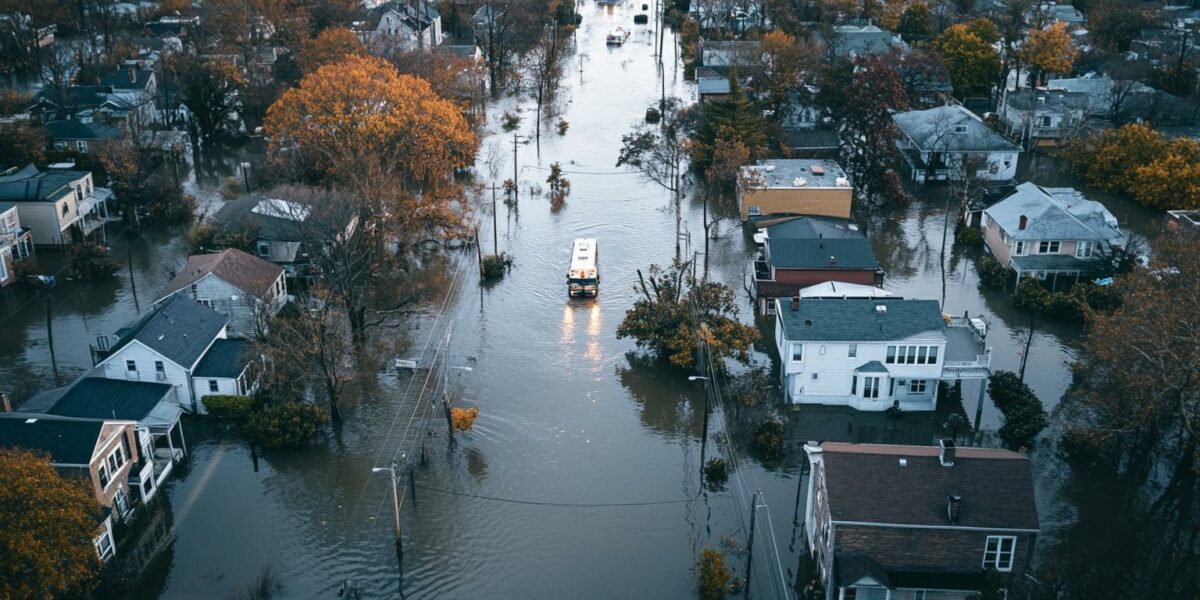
[[670, 405]]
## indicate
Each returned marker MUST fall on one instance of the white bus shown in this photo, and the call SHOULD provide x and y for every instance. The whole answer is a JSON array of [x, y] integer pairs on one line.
[[584, 277]]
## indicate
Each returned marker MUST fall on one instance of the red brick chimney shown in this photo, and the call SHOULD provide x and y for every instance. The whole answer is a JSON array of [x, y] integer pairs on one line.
[[795, 303], [1024, 221]]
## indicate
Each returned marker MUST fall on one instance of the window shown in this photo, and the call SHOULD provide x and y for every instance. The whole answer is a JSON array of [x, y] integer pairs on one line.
[[212, 386], [193, 290], [814, 376], [1046, 121], [922, 353], [853, 350], [121, 501], [116, 460], [81, 145], [917, 386], [131, 366], [160, 370], [891, 355], [1083, 249], [1020, 249], [104, 546], [797, 352], [754, 210], [853, 385], [264, 248], [933, 350], [999, 551], [102, 471], [1045, 247], [870, 387], [66, 208]]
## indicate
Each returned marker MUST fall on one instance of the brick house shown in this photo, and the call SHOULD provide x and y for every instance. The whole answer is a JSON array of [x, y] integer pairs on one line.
[[808, 251], [780, 188], [918, 522]]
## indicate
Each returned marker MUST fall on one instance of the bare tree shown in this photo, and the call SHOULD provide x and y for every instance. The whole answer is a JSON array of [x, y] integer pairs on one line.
[[658, 153]]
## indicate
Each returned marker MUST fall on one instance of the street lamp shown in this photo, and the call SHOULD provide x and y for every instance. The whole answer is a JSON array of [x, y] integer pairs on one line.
[[704, 431], [391, 470], [246, 175]]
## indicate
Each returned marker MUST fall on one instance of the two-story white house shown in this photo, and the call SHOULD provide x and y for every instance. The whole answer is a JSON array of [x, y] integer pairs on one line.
[[59, 206], [936, 144], [170, 344], [874, 353], [400, 26], [1049, 233], [246, 289], [16, 242]]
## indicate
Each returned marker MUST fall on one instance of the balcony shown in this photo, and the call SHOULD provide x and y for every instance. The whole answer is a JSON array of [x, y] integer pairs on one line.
[[967, 354]]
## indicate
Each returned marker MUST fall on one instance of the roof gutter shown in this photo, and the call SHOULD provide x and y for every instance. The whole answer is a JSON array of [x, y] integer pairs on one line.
[[950, 527]]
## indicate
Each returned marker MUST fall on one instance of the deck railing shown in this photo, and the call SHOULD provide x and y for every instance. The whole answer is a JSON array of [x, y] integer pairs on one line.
[[982, 361]]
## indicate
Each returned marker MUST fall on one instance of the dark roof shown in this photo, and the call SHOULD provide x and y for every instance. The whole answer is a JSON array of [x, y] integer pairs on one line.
[[996, 486], [226, 359], [79, 95], [819, 243], [161, 29], [29, 184], [873, 366], [859, 320], [235, 215], [850, 567], [246, 272], [179, 328], [67, 441], [128, 79], [96, 398], [73, 129]]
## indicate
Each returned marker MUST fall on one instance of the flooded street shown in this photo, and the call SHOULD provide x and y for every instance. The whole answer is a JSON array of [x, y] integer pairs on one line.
[[581, 476]]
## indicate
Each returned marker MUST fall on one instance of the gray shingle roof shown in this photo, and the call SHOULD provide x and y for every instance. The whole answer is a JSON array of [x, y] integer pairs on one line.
[[97, 398], [996, 486], [28, 184], [873, 366], [1053, 214], [858, 320], [934, 129], [73, 129], [811, 243], [226, 359], [67, 441], [236, 214], [179, 328]]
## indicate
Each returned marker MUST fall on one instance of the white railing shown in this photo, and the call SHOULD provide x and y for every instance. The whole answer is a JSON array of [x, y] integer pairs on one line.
[[982, 361]]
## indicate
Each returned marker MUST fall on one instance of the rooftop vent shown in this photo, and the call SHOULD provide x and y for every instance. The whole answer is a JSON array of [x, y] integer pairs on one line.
[[881, 308], [817, 170], [842, 182], [799, 182], [30, 421], [946, 450], [904, 462]]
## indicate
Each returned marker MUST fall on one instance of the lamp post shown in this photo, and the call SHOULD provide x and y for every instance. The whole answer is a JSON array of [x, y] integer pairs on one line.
[[391, 470], [49, 281], [246, 175]]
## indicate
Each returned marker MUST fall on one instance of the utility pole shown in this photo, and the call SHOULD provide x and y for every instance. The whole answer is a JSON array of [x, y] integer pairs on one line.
[[516, 185], [132, 284], [246, 175], [49, 281], [446, 386], [395, 507], [495, 235], [749, 542]]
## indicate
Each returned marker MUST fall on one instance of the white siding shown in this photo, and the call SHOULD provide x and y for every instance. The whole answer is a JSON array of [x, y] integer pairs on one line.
[[225, 387], [230, 301], [144, 358], [44, 219]]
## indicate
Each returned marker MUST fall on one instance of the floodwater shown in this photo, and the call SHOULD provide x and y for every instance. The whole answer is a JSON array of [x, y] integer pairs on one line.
[[580, 478]]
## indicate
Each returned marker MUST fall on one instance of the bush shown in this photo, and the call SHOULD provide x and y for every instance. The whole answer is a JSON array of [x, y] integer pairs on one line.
[[174, 208], [463, 418], [1024, 416], [968, 236], [714, 574], [286, 424], [768, 439], [495, 265], [201, 236], [92, 261], [229, 407], [1065, 305], [716, 472], [993, 274], [510, 120], [563, 126]]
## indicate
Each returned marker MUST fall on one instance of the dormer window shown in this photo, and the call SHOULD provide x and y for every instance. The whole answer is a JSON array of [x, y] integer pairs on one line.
[[960, 129]]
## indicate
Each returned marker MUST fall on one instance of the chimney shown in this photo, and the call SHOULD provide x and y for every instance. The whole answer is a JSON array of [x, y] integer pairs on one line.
[[132, 73], [1023, 223], [953, 504], [795, 303], [946, 452], [5, 404]]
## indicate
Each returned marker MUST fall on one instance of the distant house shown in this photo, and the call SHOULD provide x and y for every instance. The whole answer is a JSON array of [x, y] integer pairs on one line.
[[85, 103], [138, 88], [80, 136], [59, 206], [151, 405], [808, 251], [16, 242], [911, 522], [1036, 117], [170, 344], [1050, 13], [244, 288], [861, 40], [935, 142], [874, 353], [779, 188], [711, 85], [1049, 233], [1184, 220], [402, 26], [1105, 97], [276, 230], [104, 452], [723, 56]]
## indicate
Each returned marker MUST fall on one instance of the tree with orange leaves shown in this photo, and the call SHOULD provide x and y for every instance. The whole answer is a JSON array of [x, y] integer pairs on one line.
[[332, 46], [360, 124], [1049, 50]]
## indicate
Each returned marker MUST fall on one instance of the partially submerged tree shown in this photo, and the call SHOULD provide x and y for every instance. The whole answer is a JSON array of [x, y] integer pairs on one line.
[[47, 524], [677, 312], [1049, 50], [209, 88], [658, 153], [973, 63]]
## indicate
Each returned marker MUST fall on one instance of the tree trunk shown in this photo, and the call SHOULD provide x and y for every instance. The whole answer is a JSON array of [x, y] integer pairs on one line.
[[1028, 343]]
